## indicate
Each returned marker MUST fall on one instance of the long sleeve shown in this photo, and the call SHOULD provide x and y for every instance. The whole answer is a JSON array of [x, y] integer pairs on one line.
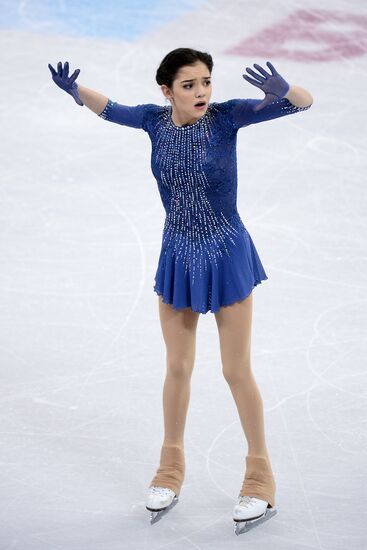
[[242, 113], [132, 116]]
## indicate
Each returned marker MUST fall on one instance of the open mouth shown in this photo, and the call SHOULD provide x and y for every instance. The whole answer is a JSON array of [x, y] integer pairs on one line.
[[200, 104]]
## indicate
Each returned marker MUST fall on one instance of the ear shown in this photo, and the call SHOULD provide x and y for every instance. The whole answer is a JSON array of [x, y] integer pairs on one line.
[[166, 91]]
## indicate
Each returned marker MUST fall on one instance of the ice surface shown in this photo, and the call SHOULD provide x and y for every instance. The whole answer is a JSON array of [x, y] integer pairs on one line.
[[81, 349]]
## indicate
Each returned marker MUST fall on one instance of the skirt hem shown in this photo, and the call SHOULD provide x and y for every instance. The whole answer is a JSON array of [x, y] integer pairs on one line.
[[240, 298]]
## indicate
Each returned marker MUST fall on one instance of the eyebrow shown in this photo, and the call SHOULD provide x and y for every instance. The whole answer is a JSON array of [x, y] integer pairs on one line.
[[192, 80]]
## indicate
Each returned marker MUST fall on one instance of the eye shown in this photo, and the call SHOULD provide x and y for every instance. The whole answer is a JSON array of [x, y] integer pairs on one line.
[[188, 86]]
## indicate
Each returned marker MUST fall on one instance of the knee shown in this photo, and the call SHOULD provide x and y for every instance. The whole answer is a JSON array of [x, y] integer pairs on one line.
[[180, 369], [237, 373]]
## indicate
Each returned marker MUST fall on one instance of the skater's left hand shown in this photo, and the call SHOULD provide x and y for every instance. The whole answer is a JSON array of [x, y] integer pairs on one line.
[[273, 85]]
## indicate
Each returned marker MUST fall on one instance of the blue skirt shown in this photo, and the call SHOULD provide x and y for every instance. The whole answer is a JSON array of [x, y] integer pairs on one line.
[[231, 277]]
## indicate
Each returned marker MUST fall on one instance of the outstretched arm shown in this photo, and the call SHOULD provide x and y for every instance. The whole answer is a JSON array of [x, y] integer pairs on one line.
[[280, 99], [275, 87], [133, 116], [95, 101]]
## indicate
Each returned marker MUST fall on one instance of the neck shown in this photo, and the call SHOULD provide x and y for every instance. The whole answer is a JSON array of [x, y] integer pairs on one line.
[[179, 121]]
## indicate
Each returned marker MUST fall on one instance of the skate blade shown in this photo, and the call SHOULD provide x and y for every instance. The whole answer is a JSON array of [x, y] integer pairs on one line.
[[242, 526], [156, 515]]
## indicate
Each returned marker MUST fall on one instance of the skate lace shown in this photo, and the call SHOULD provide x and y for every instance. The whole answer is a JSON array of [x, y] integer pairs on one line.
[[246, 501], [160, 490]]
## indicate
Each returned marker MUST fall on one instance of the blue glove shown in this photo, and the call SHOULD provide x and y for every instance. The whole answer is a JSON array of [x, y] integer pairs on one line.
[[273, 85], [66, 82]]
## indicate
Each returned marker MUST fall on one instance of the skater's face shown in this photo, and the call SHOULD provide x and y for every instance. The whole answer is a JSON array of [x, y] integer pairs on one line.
[[191, 85]]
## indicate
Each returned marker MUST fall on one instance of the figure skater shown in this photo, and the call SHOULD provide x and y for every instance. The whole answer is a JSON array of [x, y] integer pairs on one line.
[[207, 260]]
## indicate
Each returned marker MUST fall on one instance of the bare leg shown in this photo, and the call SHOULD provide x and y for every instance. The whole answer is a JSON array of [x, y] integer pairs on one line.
[[179, 333], [234, 326]]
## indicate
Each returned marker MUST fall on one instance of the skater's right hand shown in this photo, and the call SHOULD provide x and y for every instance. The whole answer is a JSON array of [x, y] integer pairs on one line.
[[66, 82]]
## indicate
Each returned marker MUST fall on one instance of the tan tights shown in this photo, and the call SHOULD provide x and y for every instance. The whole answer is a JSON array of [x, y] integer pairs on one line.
[[234, 329]]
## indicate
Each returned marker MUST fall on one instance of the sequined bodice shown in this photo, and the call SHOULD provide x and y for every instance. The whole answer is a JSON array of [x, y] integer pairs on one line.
[[196, 171], [192, 165]]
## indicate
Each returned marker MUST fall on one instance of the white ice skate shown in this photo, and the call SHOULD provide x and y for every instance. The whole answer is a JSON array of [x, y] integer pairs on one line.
[[250, 511], [160, 501]]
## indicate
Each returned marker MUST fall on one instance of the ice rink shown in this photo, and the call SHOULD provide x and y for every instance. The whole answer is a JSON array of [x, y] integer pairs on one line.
[[81, 349]]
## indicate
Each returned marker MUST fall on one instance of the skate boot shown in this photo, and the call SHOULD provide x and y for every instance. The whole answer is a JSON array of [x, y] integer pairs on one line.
[[256, 502], [166, 485]]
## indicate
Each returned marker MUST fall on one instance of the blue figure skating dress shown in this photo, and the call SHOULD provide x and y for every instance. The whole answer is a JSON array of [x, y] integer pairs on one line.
[[207, 258]]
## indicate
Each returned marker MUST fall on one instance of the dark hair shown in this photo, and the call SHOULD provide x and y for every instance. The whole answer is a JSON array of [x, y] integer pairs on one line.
[[176, 59]]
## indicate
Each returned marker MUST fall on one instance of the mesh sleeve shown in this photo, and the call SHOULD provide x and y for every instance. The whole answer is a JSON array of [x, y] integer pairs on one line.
[[132, 116], [242, 113]]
